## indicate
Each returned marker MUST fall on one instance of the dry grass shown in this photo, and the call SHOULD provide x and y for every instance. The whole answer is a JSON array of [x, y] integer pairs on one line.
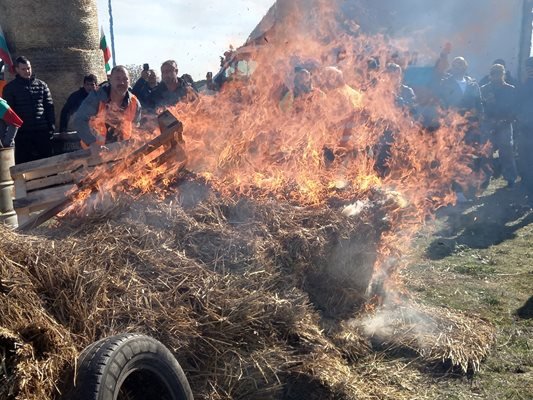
[[252, 298]]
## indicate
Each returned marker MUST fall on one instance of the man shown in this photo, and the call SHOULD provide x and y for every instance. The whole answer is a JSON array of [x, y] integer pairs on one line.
[[303, 94], [31, 100], [508, 77], [145, 85], [460, 92], [457, 91], [108, 114], [499, 99], [525, 123], [171, 89], [90, 83], [404, 99], [404, 96]]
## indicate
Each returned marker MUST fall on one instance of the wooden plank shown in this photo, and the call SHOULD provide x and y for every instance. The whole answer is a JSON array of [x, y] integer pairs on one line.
[[23, 215], [68, 161], [171, 130], [49, 163], [20, 188], [37, 197], [54, 180]]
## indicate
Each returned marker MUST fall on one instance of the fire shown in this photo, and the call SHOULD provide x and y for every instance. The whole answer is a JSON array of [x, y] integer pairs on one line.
[[257, 138]]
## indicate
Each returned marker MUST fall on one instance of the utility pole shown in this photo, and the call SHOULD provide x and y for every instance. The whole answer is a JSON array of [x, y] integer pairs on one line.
[[112, 34]]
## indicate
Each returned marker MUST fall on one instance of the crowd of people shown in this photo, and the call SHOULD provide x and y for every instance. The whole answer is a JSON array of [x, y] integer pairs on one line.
[[99, 113], [497, 110]]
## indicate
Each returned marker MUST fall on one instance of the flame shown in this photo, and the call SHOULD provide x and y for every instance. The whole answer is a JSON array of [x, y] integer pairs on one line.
[[256, 138]]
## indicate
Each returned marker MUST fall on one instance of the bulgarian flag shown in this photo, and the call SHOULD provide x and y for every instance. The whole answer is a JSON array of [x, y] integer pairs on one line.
[[105, 49], [5, 55], [8, 115]]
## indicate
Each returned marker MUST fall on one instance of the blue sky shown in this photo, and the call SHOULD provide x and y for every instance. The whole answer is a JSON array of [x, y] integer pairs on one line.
[[193, 32]]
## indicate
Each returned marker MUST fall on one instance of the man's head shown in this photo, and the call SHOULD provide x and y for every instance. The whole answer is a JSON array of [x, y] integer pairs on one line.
[[152, 78], [169, 72], [332, 78], [90, 83], [497, 73], [119, 80], [395, 71], [188, 78], [23, 67], [459, 67], [302, 80]]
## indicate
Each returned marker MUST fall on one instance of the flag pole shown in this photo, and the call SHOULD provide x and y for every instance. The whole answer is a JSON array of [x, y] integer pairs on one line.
[[112, 34]]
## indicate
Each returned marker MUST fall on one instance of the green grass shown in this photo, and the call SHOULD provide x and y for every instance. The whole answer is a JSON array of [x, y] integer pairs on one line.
[[480, 261]]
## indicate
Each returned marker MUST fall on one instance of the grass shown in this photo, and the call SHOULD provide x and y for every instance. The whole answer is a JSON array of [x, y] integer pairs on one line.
[[480, 260]]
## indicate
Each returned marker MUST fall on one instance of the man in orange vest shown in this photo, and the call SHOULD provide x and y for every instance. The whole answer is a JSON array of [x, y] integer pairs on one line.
[[109, 114]]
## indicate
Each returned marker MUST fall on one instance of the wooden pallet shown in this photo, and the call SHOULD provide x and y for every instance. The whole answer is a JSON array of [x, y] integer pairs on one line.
[[43, 184], [38, 184]]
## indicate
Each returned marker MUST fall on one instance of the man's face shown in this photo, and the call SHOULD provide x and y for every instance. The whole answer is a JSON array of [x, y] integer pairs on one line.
[[302, 81], [152, 78], [169, 74], [497, 76], [120, 82], [459, 67], [24, 70], [89, 86]]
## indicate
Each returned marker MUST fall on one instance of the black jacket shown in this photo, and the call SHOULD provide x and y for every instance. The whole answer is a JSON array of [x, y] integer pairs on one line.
[[525, 103], [32, 101], [499, 102], [161, 96], [452, 97], [71, 106], [142, 90]]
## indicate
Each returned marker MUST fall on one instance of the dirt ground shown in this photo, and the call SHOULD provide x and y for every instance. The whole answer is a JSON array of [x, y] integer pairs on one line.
[[480, 260]]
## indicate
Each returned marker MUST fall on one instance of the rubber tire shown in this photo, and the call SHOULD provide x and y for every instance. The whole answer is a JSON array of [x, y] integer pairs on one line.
[[105, 365]]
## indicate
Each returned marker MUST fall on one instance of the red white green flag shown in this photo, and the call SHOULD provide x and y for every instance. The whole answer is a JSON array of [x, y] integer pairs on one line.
[[5, 55], [8, 115], [105, 49]]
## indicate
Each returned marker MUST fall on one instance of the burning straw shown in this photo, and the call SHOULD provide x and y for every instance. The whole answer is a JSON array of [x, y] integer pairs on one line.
[[254, 289], [236, 289]]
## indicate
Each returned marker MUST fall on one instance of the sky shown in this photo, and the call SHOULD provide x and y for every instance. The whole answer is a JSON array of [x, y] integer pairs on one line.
[[192, 32]]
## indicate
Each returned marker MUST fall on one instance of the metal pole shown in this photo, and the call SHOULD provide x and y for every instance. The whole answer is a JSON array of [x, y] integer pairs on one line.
[[112, 34]]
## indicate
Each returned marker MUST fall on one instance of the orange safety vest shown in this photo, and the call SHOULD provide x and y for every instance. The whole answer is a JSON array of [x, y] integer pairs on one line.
[[97, 123]]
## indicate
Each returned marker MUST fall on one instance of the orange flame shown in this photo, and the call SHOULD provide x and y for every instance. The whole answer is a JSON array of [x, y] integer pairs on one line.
[[257, 138]]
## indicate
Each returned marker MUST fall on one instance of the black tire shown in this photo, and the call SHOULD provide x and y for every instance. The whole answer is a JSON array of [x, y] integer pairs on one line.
[[129, 367]]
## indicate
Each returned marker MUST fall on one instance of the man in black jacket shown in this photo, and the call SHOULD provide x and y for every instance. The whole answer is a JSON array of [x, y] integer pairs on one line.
[[30, 98], [90, 83], [171, 89], [499, 99], [525, 127]]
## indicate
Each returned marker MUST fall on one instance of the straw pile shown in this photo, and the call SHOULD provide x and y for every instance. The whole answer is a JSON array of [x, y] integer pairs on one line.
[[250, 297]]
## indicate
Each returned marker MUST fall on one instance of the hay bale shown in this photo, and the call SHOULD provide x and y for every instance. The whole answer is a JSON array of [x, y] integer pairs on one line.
[[61, 40], [439, 336], [31, 24], [240, 322]]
